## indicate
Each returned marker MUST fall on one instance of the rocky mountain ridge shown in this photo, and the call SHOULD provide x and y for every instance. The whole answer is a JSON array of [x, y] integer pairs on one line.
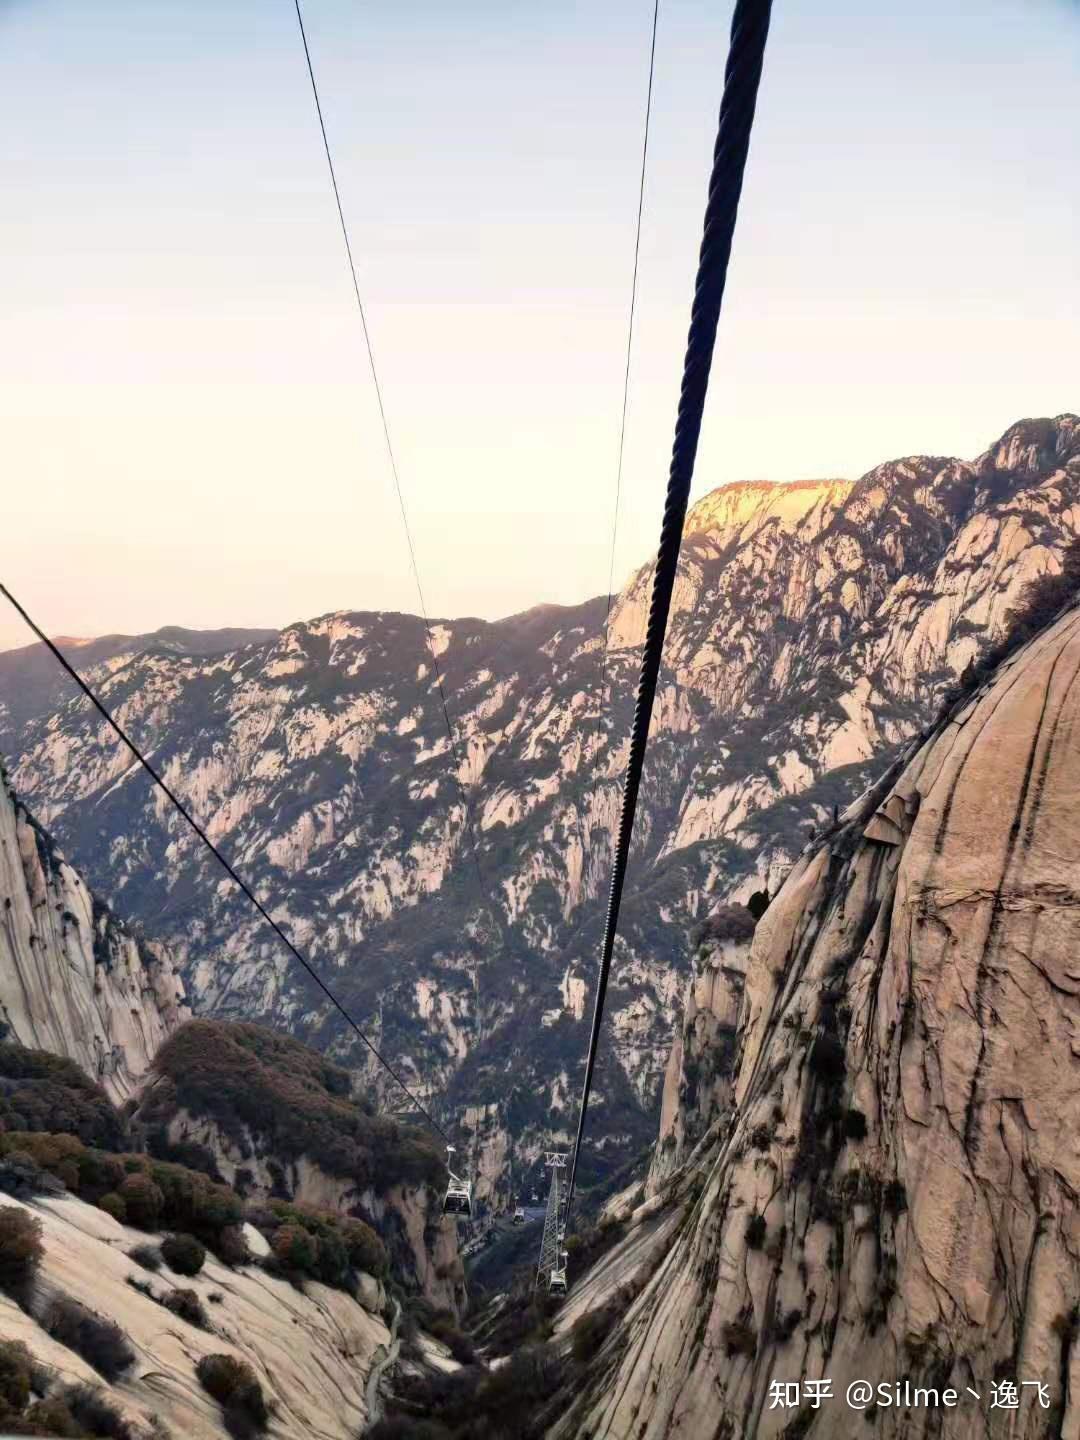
[[31, 683], [457, 908], [889, 1186], [75, 980]]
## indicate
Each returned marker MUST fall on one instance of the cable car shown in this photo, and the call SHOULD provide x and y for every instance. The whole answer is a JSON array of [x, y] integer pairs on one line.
[[519, 1215], [557, 1277], [458, 1192]]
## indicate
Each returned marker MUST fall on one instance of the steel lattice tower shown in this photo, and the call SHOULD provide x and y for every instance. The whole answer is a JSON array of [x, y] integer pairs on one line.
[[551, 1257]]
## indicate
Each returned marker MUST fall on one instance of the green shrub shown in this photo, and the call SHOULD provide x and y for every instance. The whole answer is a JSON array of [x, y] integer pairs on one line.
[[188, 1306], [143, 1201], [234, 1385], [193, 1202], [255, 1081], [320, 1243], [43, 1091], [727, 922], [98, 1172], [1038, 604], [183, 1254], [230, 1247], [113, 1204], [100, 1342], [95, 1414], [24, 1179], [296, 1249], [475, 1404], [148, 1256], [21, 1249], [14, 1374], [1041, 599]]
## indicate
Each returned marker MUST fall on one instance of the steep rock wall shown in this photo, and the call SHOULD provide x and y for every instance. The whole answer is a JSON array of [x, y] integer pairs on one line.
[[312, 1350], [698, 1080], [896, 1191], [409, 1217], [73, 979]]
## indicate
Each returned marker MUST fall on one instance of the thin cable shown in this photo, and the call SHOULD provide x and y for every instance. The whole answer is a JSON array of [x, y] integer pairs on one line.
[[241, 884], [389, 445], [630, 336], [749, 31], [603, 686]]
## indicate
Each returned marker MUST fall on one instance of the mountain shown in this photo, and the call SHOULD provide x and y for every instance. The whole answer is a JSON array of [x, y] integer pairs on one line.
[[32, 684], [884, 1171], [78, 985], [455, 899], [74, 979], [292, 1283]]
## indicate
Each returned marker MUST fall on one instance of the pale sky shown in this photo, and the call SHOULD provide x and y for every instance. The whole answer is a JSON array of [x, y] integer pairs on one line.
[[187, 425]]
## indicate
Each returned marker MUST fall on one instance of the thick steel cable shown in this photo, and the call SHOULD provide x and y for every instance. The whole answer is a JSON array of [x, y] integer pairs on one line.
[[742, 76], [469, 825], [602, 689], [237, 880]]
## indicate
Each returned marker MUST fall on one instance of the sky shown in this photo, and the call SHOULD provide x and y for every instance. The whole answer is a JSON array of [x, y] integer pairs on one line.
[[188, 431]]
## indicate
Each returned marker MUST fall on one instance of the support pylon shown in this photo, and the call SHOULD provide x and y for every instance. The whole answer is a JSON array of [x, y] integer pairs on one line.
[[552, 1259]]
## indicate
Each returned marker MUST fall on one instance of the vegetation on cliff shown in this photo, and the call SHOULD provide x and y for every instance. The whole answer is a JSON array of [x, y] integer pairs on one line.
[[39, 1091], [262, 1086]]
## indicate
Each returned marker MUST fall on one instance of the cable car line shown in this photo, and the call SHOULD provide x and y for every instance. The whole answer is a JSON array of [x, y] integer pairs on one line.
[[237, 879], [552, 1266], [458, 1199], [414, 564], [742, 75], [602, 688], [626, 372]]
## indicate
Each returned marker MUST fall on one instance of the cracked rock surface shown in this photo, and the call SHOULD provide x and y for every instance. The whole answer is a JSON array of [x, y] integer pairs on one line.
[[892, 1192], [74, 979], [311, 1351]]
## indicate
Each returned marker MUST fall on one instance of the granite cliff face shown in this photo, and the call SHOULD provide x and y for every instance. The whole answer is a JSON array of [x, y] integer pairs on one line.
[[890, 1189], [312, 1350], [74, 980], [697, 1082], [814, 630], [32, 684]]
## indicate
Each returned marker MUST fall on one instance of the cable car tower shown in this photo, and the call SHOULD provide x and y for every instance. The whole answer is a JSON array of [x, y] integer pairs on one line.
[[551, 1271]]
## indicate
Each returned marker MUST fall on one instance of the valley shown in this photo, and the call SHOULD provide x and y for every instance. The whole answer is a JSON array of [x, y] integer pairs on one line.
[[825, 1146], [457, 906]]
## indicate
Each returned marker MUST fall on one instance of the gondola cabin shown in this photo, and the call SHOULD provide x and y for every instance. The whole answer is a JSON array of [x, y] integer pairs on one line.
[[458, 1192]]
